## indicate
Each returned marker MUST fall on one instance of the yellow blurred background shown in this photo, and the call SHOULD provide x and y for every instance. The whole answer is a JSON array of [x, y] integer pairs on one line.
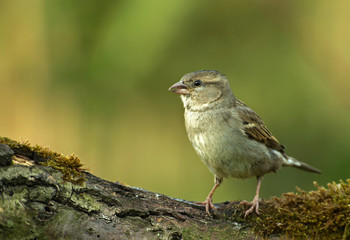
[[91, 77]]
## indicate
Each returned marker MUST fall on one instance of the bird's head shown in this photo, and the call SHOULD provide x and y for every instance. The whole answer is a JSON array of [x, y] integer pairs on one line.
[[204, 90]]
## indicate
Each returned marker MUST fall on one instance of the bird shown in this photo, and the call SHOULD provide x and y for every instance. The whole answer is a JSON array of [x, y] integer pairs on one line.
[[227, 135]]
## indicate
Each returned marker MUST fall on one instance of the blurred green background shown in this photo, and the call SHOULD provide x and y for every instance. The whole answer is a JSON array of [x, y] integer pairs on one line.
[[91, 77]]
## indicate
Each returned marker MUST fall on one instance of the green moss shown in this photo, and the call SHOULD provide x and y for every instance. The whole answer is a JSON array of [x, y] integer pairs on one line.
[[301, 215], [70, 166], [27, 150]]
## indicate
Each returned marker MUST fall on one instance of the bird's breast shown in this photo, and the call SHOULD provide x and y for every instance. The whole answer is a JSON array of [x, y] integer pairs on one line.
[[218, 140]]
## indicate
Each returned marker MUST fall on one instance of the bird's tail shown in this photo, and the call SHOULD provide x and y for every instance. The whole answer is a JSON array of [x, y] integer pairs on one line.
[[290, 161]]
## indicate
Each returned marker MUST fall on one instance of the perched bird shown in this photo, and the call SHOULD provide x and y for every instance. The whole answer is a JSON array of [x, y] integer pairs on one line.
[[229, 137]]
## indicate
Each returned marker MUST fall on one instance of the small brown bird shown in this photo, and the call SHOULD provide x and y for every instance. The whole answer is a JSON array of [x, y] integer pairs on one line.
[[229, 137]]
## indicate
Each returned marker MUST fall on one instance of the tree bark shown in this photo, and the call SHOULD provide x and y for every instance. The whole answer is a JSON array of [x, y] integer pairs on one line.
[[37, 203]]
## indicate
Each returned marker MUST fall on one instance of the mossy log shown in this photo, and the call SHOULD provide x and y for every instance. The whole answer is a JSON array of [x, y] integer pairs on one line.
[[44, 195]]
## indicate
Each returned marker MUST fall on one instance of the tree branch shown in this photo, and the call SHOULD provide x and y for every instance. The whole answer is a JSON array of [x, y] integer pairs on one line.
[[46, 195]]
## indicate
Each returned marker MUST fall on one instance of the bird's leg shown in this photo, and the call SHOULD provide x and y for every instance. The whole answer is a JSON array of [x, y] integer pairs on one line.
[[209, 200], [255, 203]]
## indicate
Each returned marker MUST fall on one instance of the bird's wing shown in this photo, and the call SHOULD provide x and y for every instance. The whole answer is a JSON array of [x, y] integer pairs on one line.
[[255, 128]]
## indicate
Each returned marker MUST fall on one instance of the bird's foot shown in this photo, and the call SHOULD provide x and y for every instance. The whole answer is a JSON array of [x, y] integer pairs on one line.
[[208, 203], [254, 206]]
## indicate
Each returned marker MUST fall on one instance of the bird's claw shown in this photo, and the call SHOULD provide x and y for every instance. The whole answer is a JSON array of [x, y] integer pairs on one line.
[[208, 203], [254, 206]]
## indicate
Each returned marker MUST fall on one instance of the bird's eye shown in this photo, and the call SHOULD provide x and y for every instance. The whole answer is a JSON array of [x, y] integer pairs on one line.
[[197, 83]]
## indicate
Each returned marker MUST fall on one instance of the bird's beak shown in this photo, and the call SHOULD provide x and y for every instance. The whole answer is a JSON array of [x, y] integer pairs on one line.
[[180, 88]]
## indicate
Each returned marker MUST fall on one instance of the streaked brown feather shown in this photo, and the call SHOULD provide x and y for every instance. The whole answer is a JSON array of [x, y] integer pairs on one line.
[[255, 127]]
